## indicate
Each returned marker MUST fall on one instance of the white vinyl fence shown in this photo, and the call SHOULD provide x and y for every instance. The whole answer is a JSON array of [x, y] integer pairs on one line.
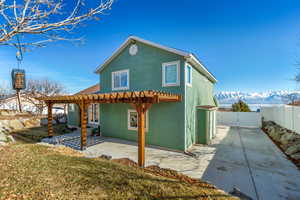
[[286, 116], [242, 119]]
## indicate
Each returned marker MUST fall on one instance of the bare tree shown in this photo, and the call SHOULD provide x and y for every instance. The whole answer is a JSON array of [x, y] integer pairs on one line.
[[48, 20], [290, 98], [42, 88]]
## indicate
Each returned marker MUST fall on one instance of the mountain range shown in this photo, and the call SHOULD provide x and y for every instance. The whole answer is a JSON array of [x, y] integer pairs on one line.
[[272, 97]]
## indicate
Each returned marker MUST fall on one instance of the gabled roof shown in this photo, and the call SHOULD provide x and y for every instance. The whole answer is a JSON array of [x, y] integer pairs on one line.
[[90, 90], [188, 56]]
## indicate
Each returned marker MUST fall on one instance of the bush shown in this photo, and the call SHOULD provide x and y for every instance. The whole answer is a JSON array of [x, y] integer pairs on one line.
[[240, 106]]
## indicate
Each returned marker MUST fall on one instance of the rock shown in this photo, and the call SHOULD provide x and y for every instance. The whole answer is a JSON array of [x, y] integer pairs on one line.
[[236, 192], [293, 149], [2, 143], [106, 157], [3, 137], [16, 124], [296, 156], [270, 129], [11, 138], [287, 137], [31, 123], [276, 134]]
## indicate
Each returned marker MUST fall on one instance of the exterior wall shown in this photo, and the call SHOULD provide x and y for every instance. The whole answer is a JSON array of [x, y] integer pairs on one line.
[[166, 127], [73, 115], [198, 94], [166, 120]]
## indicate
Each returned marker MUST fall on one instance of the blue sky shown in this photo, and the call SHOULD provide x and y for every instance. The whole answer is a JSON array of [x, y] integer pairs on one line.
[[248, 45]]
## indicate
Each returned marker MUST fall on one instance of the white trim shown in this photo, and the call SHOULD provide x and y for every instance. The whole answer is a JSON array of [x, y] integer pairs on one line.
[[185, 110], [128, 120], [190, 57], [164, 65], [112, 80], [134, 38], [186, 75], [198, 65]]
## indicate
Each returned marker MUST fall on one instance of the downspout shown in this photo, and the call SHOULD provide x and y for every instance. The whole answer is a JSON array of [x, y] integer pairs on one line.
[[184, 77]]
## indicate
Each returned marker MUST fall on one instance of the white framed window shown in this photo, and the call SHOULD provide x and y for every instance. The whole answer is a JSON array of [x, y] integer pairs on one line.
[[132, 118], [120, 80], [93, 113], [171, 74], [189, 75]]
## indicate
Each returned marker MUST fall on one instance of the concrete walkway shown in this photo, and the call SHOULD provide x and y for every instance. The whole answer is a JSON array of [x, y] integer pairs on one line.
[[238, 157]]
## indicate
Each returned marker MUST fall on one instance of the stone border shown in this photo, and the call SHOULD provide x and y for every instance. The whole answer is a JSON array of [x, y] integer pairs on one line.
[[286, 140]]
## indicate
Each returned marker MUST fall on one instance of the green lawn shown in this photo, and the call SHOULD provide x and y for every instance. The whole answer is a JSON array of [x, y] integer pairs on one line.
[[32, 171]]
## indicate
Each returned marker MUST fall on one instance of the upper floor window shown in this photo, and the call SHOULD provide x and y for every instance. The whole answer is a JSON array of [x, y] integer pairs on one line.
[[170, 74], [120, 80], [189, 75]]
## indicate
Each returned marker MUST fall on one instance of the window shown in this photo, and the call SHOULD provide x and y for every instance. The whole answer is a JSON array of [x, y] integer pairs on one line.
[[189, 75], [133, 120], [170, 74], [120, 80], [93, 113]]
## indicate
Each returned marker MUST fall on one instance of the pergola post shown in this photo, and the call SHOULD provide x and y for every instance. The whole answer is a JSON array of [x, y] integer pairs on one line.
[[140, 100], [50, 118], [141, 110], [83, 122]]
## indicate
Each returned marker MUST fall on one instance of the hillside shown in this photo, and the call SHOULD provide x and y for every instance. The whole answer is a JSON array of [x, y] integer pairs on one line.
[[31, 171]]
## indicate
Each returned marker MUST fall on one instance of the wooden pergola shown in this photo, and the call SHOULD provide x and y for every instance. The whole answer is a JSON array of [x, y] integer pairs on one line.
[[141, 101]]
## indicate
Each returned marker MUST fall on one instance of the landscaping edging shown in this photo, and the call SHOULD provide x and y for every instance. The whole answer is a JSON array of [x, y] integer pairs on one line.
[[287, 140], [8, 125]]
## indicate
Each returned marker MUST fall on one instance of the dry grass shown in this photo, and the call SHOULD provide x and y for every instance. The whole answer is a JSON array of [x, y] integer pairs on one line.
[[36, 134], [31, 171]]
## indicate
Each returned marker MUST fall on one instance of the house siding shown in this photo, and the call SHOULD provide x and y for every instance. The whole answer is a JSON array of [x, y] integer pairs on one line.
[[166, 120], [73, 116], [200, 93], [171, 125]]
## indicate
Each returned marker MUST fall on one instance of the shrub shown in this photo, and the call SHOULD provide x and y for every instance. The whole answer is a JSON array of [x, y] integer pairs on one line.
[[240, 106]]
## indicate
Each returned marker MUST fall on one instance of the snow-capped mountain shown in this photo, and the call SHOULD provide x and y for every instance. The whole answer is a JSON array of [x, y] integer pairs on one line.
[[273, 97]]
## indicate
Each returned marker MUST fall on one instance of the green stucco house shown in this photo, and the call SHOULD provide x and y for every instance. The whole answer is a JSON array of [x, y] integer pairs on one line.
[[143, 65]]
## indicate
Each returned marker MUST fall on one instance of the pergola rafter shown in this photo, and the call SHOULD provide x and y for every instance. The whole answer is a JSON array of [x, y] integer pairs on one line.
[[141, 101]]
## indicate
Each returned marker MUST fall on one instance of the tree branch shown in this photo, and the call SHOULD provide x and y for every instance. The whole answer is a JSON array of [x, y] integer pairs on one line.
[[44, 18]]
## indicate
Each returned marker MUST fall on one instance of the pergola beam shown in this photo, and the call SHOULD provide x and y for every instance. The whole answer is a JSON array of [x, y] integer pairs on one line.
[[140, 100]]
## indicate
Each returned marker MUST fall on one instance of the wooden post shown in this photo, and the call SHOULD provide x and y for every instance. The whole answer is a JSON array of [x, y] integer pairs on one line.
[[50, 118], [19, 100], [141, 110], [83, 121]]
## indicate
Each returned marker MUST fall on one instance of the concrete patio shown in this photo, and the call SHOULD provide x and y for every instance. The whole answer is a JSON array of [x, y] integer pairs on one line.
[[238, 157]]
